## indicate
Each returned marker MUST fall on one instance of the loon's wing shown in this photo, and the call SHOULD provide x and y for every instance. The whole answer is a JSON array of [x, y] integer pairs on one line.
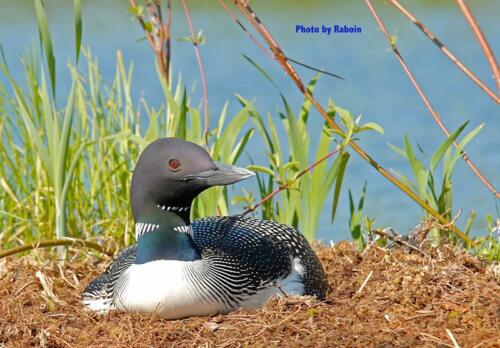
[[268, 250], [98, 294]]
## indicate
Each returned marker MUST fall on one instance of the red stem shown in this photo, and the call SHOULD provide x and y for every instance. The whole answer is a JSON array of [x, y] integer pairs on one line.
[[166, 33], [488, 52], [200, 67], [161, 41], [282, 187]]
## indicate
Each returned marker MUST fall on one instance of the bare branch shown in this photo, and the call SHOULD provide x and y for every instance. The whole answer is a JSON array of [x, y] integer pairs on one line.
[[488, 52], [200, 67], [444, 49], [158, 36], [426, 101], [59, 242]]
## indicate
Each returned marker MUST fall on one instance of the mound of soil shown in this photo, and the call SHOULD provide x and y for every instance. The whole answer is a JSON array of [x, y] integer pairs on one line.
[[382, 297]]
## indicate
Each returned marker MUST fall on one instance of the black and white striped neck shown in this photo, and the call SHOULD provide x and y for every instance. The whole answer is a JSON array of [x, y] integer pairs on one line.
[[165, 233], [183, 212], [173, 208]]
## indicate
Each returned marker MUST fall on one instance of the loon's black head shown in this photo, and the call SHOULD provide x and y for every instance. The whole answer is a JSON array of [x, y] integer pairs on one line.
[[171, 172]]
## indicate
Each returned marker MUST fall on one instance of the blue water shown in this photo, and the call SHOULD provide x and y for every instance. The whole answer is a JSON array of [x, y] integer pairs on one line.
[[376, 86]]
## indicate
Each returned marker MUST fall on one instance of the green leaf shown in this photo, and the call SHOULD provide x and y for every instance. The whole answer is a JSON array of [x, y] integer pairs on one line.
[[261, 169], [148, 26], [185, 39], [77, 12], [407, 182], [418, 171], [346, 119], [197, 40], [306, 104], [258, 121], [181, 122], [351, 203], [136, 10], [224, 144], [46, 41], [463, 143], [297, 138], [200, 39], [291, 166], [262, 71], [393, 40], [372, 126], [398, 150], [362, 198], [436, 157], [338, 183], [65, 135], [238, 149]]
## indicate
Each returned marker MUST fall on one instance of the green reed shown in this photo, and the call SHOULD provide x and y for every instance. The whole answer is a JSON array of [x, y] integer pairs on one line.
[[66, 165]]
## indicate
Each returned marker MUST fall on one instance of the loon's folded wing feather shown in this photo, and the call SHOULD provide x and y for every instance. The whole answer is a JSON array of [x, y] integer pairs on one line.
[[98, 294], [267, 247]]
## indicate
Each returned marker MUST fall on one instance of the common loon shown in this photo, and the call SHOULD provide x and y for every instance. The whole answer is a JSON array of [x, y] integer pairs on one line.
[[180, 268]]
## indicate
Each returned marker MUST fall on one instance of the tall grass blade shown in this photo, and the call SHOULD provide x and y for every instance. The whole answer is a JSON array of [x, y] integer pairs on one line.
[[463, 143], [436, 157], [262, 71], [46, 41], [77, 13], [181, 120], [344, 158]]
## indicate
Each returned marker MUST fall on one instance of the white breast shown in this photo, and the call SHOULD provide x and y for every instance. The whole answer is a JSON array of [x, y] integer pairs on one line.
[[161, 287], [164, 287]]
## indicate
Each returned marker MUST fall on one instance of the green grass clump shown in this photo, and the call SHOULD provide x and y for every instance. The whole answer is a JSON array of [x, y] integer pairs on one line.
[[67, 161], [307, 192], [66, 170]]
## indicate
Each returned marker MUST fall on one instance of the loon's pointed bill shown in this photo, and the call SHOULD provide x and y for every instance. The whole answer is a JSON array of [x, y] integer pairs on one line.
[[222, 174]]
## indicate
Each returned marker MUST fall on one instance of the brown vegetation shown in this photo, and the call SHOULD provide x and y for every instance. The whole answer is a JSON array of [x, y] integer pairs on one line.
[[382, 297]]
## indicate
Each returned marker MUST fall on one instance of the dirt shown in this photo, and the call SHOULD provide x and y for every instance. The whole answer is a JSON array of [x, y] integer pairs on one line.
[[381, 298]]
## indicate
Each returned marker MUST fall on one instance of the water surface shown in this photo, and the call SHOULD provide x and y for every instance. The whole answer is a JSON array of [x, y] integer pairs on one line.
[[376, 86]]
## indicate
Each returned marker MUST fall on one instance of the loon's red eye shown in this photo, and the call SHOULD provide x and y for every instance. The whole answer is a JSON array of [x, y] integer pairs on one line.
[[174, 164]]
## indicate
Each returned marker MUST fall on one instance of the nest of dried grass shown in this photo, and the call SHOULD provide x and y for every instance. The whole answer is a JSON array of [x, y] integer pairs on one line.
[[382, 297]]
